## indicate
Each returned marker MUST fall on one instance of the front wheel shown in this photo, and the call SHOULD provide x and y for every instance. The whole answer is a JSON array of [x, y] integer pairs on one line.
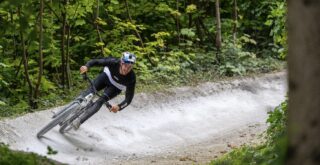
[[58, 119], [67, 124]]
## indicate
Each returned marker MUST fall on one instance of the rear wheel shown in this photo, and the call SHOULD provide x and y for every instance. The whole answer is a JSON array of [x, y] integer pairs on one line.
[[58, 119]]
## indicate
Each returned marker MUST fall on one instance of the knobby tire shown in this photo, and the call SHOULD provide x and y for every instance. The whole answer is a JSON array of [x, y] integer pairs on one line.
[[57, 120], [67, 123]]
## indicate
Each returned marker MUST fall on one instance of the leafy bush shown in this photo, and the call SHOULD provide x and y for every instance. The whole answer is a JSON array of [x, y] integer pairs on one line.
[[173, 41], [277, 20], [235, 60], [278, 122], [9, 157]]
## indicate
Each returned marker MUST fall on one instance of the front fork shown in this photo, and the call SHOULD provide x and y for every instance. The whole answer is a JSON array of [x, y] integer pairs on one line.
[[82, 102]]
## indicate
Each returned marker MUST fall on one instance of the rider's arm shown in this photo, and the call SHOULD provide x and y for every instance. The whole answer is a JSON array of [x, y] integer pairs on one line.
[[128, 97], [100, 62]]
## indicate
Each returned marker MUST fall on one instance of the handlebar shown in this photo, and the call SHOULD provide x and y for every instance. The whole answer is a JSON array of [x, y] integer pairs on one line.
[[95, 92]]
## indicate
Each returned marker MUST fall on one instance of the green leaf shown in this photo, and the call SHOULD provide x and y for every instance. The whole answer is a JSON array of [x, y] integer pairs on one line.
[[99, 44], [51, 151], [268, 22], [100, 21], [78, 38], [191, 9], [80, 22], [47, 85], [2, 82], [3, 65], [110, 9], [188, 32], [107, 51], [2, 103], [115, 2], [162, 7], [175, 13]]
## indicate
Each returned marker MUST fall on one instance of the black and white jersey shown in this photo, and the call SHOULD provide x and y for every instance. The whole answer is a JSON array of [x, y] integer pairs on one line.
[[122, 82]]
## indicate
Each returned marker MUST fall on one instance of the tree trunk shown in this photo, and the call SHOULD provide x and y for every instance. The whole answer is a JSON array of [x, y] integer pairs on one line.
[[197, 23], [178, 22], [218, 32], [304, 78], [25, 63], [53, 14], [15, 46], [235, 21], [62, 49], [130, 19], [68, 72], [205, 30], [190, 16], [14, 39], [37, 91], [97, 28]]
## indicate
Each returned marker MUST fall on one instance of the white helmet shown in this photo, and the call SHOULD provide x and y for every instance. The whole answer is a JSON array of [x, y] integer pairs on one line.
[[128, 58]]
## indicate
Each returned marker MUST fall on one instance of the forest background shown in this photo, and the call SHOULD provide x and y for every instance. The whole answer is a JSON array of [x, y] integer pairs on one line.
[[43, 43]]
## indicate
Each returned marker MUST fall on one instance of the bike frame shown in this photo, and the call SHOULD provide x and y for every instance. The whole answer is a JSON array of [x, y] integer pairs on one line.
[[76, 108]]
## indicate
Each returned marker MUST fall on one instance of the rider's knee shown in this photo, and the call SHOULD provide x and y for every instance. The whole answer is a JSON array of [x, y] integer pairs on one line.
[[100, 101], [106, 97]]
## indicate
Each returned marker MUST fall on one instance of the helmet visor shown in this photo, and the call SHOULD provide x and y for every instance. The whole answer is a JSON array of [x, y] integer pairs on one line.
[[127, 62]]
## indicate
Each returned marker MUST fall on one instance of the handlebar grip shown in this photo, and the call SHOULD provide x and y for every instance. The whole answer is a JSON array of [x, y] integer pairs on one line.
[[85, 76], [109, 106]]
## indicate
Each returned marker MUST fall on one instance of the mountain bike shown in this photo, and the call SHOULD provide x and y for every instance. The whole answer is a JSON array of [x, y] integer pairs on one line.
[[74, 110]]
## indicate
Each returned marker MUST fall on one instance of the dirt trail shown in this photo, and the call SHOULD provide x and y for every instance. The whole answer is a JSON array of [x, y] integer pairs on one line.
[[186, 125]]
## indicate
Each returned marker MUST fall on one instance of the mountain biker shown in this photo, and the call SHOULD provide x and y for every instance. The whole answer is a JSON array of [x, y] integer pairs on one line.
[[117, 75]]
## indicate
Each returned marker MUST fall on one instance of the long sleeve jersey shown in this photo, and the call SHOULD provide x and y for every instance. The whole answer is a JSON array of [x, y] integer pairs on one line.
[[122, 82]]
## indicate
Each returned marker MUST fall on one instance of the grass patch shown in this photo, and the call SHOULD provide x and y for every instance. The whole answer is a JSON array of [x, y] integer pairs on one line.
[[10, 157]]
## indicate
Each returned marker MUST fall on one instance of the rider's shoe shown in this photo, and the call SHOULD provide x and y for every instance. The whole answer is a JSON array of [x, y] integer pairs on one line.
[[76, 123]]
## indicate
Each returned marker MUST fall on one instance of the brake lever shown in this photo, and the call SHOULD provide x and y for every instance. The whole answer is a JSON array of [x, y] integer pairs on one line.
[[85, 76]]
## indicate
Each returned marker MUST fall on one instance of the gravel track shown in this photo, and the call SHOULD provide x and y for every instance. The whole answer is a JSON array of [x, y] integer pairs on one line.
[[185, 125]]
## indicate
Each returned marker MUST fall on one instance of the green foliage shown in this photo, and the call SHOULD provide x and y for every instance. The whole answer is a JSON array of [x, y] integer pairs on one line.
[[277, 20], [3, 83], [278, 122], [188, 32], [160, 39], [172, 39], [9, 157], [272, 152], [51, 151], [235, 60], [2, 103], [265, 22], [191, 8]]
